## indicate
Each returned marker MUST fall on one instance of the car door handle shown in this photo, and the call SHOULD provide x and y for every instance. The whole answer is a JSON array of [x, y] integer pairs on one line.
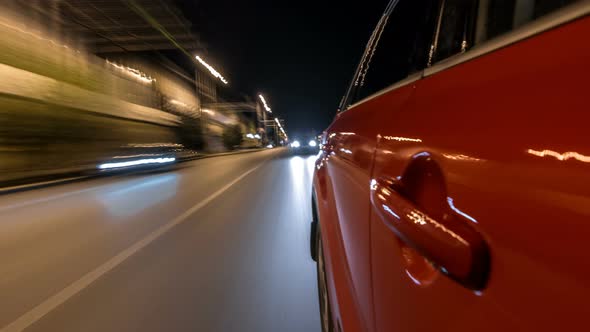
[[451, 244]]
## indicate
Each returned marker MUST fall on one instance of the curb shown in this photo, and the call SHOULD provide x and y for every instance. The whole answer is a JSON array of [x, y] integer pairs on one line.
[[38, 185], [70, 179]]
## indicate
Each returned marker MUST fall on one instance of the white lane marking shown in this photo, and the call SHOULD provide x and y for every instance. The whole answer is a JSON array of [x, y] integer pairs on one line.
[[65, 294]]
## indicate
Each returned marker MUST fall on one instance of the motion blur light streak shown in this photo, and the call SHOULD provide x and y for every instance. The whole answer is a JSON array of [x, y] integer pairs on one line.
[[280, 126], [452, 205], [137, 156], [39, 37], [402, 139], [265, 104], [310, 164], [211, 69], [560, 156], [390, 211], [155, 145], [460, 157], [136, 163], [133, 198], [178, 103], [301, 170], [297, 171], [417, 218], [133, 72], [420, 218]]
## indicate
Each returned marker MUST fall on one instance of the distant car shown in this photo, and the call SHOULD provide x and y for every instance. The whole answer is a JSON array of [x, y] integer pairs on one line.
[[305, 146], [452, 189]]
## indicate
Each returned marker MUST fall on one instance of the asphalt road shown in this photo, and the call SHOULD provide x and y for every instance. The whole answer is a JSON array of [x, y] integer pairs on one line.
[[219, 244]]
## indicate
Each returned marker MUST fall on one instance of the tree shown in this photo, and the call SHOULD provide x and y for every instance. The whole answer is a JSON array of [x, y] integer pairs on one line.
[[190, 133], [232, 136]]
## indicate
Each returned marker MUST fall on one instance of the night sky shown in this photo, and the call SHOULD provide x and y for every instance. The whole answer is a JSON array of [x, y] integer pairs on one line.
[[300, 54]]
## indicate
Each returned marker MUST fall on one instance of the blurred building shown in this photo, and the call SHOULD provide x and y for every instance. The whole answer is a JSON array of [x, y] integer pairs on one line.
[[151, 43]]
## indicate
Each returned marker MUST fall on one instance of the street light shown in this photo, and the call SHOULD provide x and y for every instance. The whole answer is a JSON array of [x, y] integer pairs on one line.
[[280, 127], [266, 107], [211, 69]]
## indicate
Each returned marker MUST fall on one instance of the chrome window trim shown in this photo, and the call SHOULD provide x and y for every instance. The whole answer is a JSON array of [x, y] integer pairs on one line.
[[555, 19], [391, 5]]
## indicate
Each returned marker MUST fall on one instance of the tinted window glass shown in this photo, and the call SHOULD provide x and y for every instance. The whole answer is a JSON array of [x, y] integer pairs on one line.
[[456, 27], [496, 17], [543, 7], [465, 23], [401, 49]]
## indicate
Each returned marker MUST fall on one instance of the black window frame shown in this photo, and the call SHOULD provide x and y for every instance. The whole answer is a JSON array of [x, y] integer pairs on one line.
[[475, 49], [352, 90]]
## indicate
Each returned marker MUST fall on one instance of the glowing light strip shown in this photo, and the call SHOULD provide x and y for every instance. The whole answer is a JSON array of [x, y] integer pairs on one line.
[[178, 103], [420, 218], [452, 205], [136, 163], [133, 72], [155, 145], [560, 156], [39, 37], [265, 104], [211, 69], [461, 157], [402, 139], [281, 127]]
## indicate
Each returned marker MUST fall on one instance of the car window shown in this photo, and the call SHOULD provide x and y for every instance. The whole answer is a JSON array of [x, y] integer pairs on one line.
[[401, 48], [455, 28], [465, 23], [418, 33], [500, 16]]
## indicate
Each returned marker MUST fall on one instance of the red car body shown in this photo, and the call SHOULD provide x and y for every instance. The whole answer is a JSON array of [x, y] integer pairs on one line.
[[458, 199]]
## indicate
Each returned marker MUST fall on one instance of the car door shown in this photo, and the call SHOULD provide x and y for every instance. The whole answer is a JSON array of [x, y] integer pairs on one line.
[[351, 142], [349, 164], [479, 195]]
